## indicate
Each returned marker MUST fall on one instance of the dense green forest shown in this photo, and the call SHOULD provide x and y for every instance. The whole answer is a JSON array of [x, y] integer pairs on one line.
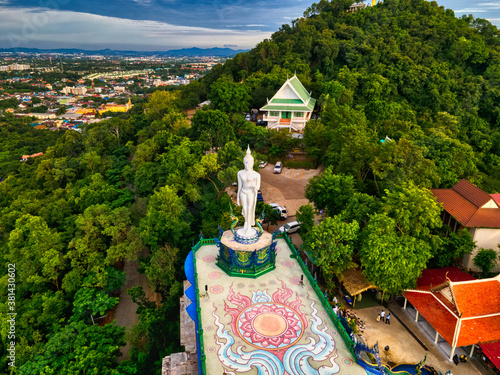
[[145, 184]]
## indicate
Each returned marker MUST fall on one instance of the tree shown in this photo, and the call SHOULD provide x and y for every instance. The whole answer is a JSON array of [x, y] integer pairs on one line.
[[330, 191], [454, 160], [454, 247], [92, 301], [271, 215], [103, 237], [161, 103], [485, 260], [414, 210], [213, 126], [390, 261], [360, 207], [330, 245], [36, 249], [161, 269], [167, 220], [397, 162], [229, 97], [78, 349], [305, 216]]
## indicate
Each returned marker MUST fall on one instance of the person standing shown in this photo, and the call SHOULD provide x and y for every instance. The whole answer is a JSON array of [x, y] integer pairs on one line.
[[382, 316], [388, 319]]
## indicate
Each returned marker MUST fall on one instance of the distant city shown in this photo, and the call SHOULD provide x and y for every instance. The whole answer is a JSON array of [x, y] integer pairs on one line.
[[64, 89]]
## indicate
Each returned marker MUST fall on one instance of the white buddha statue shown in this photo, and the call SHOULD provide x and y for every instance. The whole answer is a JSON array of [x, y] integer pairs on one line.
[[248, 187]]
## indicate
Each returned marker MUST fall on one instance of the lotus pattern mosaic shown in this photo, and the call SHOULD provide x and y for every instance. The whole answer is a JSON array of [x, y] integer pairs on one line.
[[267, 334]]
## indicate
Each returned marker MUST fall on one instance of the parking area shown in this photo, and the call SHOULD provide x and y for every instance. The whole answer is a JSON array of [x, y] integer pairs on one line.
[[288, 188]]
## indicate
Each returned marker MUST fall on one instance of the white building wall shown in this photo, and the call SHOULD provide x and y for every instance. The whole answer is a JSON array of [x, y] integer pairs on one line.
[[486, 239], [490, 204], [287, 93]]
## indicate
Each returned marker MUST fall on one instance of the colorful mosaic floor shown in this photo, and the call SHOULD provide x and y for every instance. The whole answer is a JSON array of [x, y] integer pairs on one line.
[[267, 326]]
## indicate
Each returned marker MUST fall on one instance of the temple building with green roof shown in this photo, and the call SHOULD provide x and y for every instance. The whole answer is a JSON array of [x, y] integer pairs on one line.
[[290, 108]]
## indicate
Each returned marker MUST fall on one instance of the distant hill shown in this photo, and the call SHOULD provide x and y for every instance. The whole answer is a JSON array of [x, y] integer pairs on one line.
[[219, 52], [204, 52]]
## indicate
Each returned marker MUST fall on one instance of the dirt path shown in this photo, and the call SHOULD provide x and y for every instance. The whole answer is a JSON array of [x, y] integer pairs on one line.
[[125, 312]]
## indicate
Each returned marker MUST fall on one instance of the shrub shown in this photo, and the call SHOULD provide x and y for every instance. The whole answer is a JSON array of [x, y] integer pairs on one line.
[[485, 259]]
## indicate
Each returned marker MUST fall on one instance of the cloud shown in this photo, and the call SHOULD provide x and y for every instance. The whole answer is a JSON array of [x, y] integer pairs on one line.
[[471, 10], [215, 14], [484, 9], [34, 27]]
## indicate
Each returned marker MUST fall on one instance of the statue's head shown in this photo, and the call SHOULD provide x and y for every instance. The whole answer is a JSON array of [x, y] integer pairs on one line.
[[248, 160]]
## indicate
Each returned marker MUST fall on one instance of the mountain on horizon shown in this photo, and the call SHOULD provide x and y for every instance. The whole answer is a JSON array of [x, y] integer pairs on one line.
[[189, 52]]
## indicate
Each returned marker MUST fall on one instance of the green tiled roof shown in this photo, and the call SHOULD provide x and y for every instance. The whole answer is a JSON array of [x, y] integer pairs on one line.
[[290, 108], [294, 81], [286, 101], [286, 104]]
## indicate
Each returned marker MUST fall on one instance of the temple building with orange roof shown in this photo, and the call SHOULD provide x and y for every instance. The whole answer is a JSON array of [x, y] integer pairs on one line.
[[467, 206], [456, 310]]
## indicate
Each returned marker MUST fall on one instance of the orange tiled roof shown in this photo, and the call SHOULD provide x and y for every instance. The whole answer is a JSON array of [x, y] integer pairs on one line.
[[472, 193], [496, 197], [434, 312], [464, 202], [473, 331], [477, 302], [485, 217], [475, 298]]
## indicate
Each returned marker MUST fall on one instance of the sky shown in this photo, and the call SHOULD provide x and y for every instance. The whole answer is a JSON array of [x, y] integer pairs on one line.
[[149, 25]]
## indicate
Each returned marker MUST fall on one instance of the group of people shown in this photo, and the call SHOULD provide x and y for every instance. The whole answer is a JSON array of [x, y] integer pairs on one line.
[[381, 317]]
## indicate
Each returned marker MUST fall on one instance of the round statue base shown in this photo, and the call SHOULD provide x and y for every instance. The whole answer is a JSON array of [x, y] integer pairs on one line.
[[246, 239], [246, 259]]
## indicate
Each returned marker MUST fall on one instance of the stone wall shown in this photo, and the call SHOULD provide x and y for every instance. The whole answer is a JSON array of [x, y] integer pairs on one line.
[[183, 363]]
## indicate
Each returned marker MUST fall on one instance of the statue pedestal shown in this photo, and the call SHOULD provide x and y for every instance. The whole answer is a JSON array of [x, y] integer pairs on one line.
[[246, 259]]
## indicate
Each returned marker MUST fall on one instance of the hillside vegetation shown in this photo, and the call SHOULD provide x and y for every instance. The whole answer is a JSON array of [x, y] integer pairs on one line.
[[143, 185], [406, 69]]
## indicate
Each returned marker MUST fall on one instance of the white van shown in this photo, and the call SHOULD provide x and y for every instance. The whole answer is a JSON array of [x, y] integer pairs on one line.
[[278, 167], [281, 210], [291, 227]]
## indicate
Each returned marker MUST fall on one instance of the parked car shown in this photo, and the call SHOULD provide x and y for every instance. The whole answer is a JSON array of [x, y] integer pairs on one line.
[[259, 196], [278, 167], [262, 164], [261, 123], [281, 210], [291, 227], [247, 117]]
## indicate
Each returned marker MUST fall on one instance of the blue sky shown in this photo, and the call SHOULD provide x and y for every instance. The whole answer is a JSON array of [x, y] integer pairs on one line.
[[164, 24]]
